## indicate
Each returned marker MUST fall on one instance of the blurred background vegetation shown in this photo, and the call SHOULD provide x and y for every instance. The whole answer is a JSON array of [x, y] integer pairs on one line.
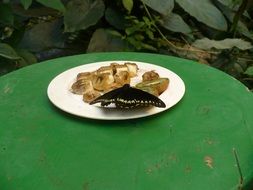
[[214, 32]]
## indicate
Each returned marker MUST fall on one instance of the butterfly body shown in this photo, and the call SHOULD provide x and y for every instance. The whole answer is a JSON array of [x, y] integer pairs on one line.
[[129, 97]]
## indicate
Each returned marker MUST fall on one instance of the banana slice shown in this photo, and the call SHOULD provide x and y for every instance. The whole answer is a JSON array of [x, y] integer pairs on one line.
[[81, 86], [103, 82], [132, 69]]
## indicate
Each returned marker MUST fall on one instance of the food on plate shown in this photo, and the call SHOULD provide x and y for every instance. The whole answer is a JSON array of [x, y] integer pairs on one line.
[[129, 97], [84, 76], [160, 84], [132, 69], [93, 84], [150, 90], [90, 95], [103, 82], [111, 84], [81, 86], [105, 70], [120, 68], [121, 78], [150, 75]]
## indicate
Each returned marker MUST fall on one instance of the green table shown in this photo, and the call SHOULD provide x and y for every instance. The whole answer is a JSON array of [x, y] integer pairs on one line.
[[193, 145]]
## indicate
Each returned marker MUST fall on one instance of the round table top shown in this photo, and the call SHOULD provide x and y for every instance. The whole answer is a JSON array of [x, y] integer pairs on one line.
[[203, 142]]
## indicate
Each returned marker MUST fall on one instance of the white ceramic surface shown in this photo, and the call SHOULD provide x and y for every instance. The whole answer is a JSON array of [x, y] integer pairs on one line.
[[60, 95]]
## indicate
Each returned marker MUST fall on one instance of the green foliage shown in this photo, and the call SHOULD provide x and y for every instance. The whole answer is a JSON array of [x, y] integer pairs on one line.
[[175, 23], [208, 44], [163, 7], [54, 4], [43, 36], [8, 52], [140, 33], [26, 3], [6, 15], [128, 4], [115, 18], [106, 40], [204, 12], [217, 32], [231, 3], [81, 14], [249, 71]]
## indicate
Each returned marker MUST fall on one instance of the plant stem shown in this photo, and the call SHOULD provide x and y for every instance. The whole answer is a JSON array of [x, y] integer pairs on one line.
[[239, 169], [237, 16], [157, 29], [169, 42]]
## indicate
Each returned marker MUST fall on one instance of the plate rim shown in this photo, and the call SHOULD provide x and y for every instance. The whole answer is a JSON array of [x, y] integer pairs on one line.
[[104, 63]]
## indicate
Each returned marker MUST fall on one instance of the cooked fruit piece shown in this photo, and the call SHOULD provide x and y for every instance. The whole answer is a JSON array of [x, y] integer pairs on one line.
[[81, 86], [132, 69], [150, 90], [122, 78], [150, 75], [113, 66], [85, 76], [120, 68], [160, 84], [90, 95], [103, 81], [105, 70]]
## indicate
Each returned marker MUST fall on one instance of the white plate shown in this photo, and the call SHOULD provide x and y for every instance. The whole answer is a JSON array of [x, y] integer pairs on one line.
[[59, 93]]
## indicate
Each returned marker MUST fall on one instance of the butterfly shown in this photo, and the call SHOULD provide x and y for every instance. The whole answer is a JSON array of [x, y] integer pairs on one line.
[[129, 97]]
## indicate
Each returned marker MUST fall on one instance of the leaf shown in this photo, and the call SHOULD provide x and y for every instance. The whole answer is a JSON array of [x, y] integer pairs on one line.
[[175, 23], [139, 45], [164, 7], [128, 4], [135, 28], [6, 16], [148, 47], [115, 18], [54, 4], [206, 44], [114, 33], [26, 3], [249, 71], [150, 34], [43, 36], [7, 66], [241, 27], [8, 52], [27, 58], [134, 42], [231, 3], [205, 12], [102, 41], [81, 14], [234, 5]]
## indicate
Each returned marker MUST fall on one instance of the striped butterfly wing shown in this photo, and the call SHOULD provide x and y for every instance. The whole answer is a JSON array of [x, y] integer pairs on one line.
[[132, 97], [128, 97], [108, 97]]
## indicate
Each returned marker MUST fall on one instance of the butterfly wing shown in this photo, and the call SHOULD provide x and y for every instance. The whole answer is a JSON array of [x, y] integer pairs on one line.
[[108, 97], [128, 97], [133, 97]]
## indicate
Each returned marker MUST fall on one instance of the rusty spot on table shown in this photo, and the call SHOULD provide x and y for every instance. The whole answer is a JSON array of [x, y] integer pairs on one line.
[[209, 161], [86, 186], [163, 163], [188, 169], [209, 141]]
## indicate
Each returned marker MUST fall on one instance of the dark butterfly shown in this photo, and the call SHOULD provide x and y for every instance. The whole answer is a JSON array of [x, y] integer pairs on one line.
[[128, 97]]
